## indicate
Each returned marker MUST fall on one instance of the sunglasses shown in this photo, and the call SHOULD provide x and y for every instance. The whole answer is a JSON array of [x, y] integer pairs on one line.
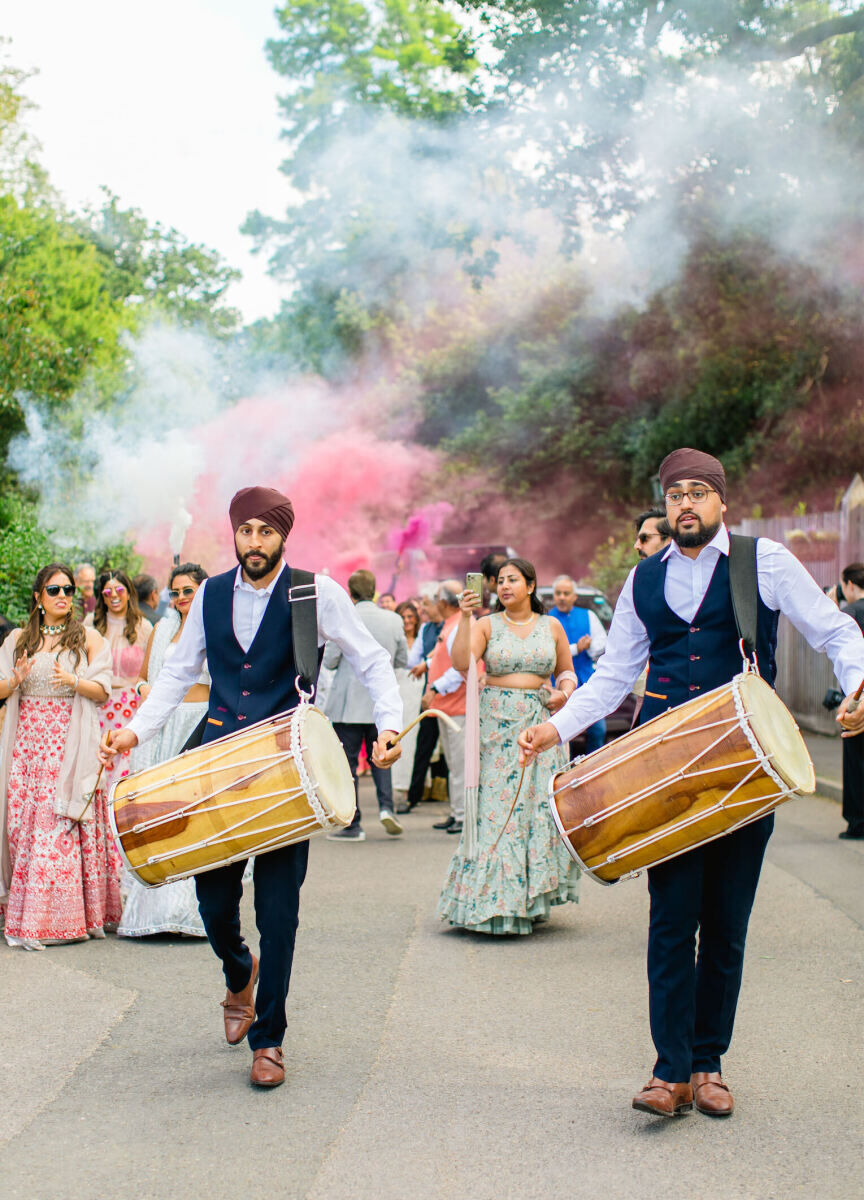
[[118, 590], [176, 593], [54, 589]]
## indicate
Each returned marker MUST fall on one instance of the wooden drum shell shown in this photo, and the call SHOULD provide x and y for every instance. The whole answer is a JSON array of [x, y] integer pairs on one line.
[[657, 813], [250, 792]]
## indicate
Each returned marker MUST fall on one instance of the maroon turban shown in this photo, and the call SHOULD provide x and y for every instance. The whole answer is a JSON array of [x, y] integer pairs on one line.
[[692, 464], [262, 504]]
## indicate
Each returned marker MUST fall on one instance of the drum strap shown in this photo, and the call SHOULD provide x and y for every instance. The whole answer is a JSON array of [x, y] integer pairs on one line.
[[303, 596], [743, 584]]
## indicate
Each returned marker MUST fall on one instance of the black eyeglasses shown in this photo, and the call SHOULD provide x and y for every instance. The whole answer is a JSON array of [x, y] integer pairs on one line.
[[54, 589], [175, 593]]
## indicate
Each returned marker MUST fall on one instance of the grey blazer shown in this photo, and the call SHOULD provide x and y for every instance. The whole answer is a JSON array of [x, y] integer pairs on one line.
[[347, 700]]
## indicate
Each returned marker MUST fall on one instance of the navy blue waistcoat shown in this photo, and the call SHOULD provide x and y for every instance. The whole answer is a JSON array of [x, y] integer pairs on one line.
[[687, 659], [247, 686]]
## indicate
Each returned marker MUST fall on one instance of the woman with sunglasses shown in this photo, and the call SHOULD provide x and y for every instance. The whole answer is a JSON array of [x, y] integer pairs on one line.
[[118, 618], [59, 870], [174, 907]]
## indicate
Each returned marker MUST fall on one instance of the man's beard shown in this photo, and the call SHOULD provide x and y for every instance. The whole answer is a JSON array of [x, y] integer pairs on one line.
[[263, 568], [698, 537]]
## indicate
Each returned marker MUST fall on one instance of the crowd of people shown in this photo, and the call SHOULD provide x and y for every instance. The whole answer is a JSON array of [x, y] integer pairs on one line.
[[108, 670]]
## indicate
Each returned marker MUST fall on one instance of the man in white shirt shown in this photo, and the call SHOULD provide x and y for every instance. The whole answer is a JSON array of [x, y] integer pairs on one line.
[[675, 611], [241, 623]]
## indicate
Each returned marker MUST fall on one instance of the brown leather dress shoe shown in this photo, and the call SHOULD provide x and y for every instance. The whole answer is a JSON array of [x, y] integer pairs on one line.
[[664, 1099], [711, 1095], [267, 1067], [239, 1009]]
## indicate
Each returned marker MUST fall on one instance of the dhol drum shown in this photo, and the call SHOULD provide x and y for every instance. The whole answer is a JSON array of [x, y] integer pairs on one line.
[[695, 773], [279, 781]]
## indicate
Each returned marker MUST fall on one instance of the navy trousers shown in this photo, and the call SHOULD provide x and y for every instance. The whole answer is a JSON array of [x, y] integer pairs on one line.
[[278, 877], [693, 993]]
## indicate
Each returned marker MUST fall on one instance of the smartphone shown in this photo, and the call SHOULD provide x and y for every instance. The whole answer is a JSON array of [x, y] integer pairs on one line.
[[474, 583]]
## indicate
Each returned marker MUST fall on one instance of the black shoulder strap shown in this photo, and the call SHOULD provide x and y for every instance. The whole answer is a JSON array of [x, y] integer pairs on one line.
[[303, 596], [744, 587]]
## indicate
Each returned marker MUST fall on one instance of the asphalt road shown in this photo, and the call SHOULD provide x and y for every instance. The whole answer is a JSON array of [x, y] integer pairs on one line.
[[427, 1063]]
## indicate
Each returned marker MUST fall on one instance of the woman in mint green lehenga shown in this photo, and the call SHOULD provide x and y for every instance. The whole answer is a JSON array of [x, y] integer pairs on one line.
[[507, 884]]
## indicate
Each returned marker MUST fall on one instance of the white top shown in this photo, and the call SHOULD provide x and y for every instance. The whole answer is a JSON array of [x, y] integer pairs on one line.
[[451, 680], [337, 622], [784, 585]]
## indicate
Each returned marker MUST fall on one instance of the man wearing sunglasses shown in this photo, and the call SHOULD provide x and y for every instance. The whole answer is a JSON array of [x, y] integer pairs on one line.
[[652, 532], [241, 623], [675, 611]]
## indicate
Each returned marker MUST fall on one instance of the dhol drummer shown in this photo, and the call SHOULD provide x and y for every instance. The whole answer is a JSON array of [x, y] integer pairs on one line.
[[240, 622], [675, 610]]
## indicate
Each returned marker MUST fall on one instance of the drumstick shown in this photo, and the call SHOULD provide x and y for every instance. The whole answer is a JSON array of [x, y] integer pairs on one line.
[[430, 712], [512, 807], [78, 820], [853, 703]]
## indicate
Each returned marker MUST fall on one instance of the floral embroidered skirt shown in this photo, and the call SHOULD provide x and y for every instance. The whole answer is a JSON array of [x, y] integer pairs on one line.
[[116, 713], [65, 883], [515, 885]]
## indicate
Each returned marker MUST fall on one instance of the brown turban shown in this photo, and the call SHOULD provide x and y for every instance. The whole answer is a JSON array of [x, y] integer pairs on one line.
[[262, 504], [692, 464]]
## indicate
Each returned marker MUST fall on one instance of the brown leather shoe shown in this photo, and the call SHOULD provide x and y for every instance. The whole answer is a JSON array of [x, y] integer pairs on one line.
[[240, 1009], [267, 1067], [711, 1095], [664, 1099]]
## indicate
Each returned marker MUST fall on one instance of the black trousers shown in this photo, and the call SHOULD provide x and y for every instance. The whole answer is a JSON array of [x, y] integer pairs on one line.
[[853, 783], [693, 994], [278, 878], [427, 740], [353, 737]]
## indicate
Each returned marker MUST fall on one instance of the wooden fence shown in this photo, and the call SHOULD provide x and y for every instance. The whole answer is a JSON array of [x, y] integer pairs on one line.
[[825, 543]]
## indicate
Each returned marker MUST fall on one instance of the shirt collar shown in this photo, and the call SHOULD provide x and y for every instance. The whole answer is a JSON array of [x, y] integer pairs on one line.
[[241, 585], [719, 542]]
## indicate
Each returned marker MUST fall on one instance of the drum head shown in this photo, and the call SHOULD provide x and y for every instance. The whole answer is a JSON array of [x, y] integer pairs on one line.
[[777, 734], [327, 765]]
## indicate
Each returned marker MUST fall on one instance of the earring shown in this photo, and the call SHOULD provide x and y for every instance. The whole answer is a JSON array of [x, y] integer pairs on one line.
[[42, 610]]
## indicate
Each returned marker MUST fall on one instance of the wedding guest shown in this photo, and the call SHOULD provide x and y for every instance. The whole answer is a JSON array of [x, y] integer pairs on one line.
[[58, 867], [150, 602], [119, 620], [85, 577], [852, 584], [387, 600], [172, 908], [511, 866], [411, 689]]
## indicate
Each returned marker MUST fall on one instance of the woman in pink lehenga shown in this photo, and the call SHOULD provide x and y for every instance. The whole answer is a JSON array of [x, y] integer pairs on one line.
[[59, 869], [118, 618]]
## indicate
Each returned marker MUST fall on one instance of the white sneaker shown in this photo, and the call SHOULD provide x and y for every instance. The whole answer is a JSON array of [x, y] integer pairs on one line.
[[389, 821], [347, 835]]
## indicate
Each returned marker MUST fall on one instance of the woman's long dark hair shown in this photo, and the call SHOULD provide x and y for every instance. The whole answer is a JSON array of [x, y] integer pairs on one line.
[[526, 570], [74, 636], [133, 612]]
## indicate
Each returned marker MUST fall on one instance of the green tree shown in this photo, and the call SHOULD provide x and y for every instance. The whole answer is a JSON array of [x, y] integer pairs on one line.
[[59, 320], [370, 208], [155, 271]]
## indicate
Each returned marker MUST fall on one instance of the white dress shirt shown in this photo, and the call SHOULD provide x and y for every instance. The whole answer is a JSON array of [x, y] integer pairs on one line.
[[451, 680], [784, 585], [337, 622]]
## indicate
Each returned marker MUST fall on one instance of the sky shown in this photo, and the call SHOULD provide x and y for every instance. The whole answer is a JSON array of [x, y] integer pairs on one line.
[[172, 105]]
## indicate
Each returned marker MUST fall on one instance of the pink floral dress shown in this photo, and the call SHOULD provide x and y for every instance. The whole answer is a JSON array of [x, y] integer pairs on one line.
[[121, 706], [65, 881]]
